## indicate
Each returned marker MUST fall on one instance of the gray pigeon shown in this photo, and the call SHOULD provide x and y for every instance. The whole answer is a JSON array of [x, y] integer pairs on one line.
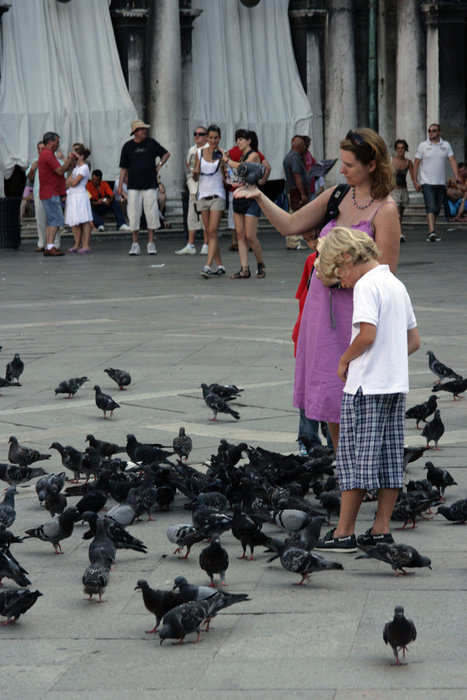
[[11, 568], [71, 458], [182, 444], [433, 430], [56, 529], [217, 404], [185, 619], [45, 483], [24, 456], [116, 532], [96, 576], [399, 632], [300, 561], [184, 535], [189, 591], [157, 602], [124, 513], [105, 402], [456, 512], [7, 508], [397, 555], [120, 377], [14, 475], [14, 369], [70, 386], [13, 604], [441, 370], [101, 542]]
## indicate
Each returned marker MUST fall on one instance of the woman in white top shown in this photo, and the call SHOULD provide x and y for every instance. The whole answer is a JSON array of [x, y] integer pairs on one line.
[[210, 171], [78, 207]]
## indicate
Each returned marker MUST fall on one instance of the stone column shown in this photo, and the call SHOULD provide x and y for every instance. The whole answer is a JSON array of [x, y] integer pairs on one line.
[[386, 74], [410, 76], [165, 90], [341, 108]]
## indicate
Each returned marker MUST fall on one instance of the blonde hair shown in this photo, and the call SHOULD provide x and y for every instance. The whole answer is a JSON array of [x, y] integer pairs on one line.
[[343, 245], [372, 147]]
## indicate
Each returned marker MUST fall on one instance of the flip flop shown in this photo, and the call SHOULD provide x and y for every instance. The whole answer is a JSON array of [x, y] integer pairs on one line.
[[84, 250]]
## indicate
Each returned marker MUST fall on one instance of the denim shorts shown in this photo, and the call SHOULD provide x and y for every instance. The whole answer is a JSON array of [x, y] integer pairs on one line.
[[253, 209], [53, 211], [434, 196]]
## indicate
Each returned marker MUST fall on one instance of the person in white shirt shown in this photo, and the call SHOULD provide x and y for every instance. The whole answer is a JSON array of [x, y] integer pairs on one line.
[[194, 220], [429, 175], [375, 371]]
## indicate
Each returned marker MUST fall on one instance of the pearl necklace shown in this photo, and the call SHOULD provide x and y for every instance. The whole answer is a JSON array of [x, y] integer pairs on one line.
[[365, 206]]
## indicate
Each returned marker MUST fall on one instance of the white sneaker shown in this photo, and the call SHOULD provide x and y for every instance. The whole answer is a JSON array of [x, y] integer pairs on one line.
[[204, 249], [151, 249], [101, 228], [124, 227], [135, 249], [187, 250]]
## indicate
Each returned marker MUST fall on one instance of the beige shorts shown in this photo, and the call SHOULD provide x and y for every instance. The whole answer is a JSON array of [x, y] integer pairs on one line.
[[401, 197], [139, 199], [206, 204], [194, 220]]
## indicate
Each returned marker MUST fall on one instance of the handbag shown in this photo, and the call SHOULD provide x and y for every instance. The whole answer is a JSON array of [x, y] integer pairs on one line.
[[240, 205]]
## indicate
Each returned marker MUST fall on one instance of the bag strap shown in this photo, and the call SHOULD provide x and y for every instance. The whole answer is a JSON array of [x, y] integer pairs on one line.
[[246, 155], [334, 200]]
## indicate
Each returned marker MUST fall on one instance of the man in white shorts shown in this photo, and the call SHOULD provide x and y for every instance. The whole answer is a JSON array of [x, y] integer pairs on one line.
[[194, 220], [138, 160]]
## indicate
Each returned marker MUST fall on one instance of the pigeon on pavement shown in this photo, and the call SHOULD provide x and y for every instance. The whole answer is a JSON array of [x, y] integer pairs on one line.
[[440, 369], [71, 458], [184, 535], [146, 453], [456, 512], [55, 502], [397, 555], [421, 411], [56, 529], [225, 391], [24, 456], [96, 576], [120, 377], [217, 404], [124, 513], [186, 618], [214, 559], [121, 538], [7, 508], [189, 591], [14, 475], [103, 448], [157, 602], [105, 402], [454, 387], [101, 542], [433, 430], [182, 444], [45, 483], [7, 538], [13, 604], [301, 561], [14, 369], [399, 632], [70, 386], [11, 568], [440, 478], [247, 532]]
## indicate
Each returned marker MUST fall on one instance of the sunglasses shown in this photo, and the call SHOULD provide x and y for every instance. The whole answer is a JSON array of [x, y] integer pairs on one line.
[[357, 140], [433, 131], [200, 133]]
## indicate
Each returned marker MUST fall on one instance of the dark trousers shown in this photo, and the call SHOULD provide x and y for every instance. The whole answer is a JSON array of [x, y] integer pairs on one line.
[[99, 210]]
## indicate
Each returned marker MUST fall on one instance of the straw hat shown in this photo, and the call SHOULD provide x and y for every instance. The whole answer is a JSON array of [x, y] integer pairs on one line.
[[138, 124]]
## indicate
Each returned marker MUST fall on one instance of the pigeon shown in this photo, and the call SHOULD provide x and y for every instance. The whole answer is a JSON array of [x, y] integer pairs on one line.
[[225, 391], [24, 456], [440, 478], [121, 538], [331, 503], [214, 559], [454, 387], [120, 377], [189, 591], [397, 555], [182, 444], [441, 370], [101, 542], [307, 537], [14, 369], [105, 402], [55, 502], [11, 568], [96, 576], [93, 501], [13, 604], [103, 448], [186, 618], [146, 453], [124, 513], [421, 411], [70, 386], [456, 512], [184, 535], [157, 602], [56, 529], [217, 404], [300, 561], [14, 475], [45, 483], [7, 508], [71, 458], [399, 632], [291, 520], [5, 382], [248, 533], [411, 454], [7, 538], [433, 430], [210, 520]]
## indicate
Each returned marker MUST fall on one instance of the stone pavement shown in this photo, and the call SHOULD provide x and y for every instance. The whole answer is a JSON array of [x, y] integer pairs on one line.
[[172, 330]]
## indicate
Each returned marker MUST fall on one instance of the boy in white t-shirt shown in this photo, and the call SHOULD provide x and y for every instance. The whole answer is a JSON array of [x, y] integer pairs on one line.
[[375, 371]]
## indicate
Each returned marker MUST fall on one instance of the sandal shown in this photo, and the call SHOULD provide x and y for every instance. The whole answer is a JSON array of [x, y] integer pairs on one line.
[[261, 271], [233, 246], [242, 274]]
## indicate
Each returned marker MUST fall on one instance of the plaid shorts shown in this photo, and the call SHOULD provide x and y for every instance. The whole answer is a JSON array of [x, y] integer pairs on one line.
[[371, 441]]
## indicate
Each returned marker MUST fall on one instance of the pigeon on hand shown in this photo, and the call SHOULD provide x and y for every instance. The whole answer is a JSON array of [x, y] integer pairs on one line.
[[14, 475], [23, 456], [105, 402], [399, 632], [96, 576], [397, 555], [217, 404], [56, 529], [14, 369], [13, 604], [421, 411], [11, 568], [441, 370], [454, 387], [103, 448], [182, 444], [214, 559], [433, 430], [7, 508], [301, 561], [71, 458], [120, 377], [157, 602], [456, 512], [440, 478], [70, 386]]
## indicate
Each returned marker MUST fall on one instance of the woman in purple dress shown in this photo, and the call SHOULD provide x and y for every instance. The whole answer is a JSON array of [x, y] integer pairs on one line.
[[327, 316]]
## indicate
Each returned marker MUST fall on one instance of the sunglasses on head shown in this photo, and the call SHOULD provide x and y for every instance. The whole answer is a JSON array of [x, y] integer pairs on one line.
[[200, 133], [358, 140]]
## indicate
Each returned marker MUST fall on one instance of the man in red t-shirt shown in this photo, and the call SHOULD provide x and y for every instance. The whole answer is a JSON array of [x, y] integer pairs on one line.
[[103, 202], [52, 188]]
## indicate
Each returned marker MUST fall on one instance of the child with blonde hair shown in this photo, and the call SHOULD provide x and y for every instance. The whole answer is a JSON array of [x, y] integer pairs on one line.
[[375, 371]]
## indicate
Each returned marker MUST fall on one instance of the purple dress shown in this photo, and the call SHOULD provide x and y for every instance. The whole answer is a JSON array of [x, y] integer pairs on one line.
[[325, 332]]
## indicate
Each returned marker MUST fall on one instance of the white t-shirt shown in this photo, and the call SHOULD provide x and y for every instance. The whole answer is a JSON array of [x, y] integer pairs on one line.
[[81, 186], [432, 169], [382, 300]]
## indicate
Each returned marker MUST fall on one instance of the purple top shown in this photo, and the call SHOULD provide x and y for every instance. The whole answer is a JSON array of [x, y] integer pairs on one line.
[[324, 336]]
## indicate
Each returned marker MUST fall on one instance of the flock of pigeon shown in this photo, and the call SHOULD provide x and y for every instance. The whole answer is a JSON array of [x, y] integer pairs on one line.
[[252, 492]]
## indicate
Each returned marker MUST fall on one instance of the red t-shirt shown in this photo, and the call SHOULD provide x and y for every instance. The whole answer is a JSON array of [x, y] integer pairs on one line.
[[302, 291], [104, 190], [50, 184]]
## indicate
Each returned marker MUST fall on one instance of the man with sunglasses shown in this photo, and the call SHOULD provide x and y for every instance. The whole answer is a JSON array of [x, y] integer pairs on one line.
[[430, 161], [194, 220]]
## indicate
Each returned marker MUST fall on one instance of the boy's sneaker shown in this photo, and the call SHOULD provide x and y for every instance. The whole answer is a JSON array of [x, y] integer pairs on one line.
[[151, 249], [370, 540], [433, 237], [204, 249], [206, 273], [328, 543], [186, 250], [135, 249], [220, 271]]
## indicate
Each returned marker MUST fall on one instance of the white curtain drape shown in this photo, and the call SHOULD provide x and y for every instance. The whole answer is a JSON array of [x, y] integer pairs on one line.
[[245, 75], [61, 72]]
